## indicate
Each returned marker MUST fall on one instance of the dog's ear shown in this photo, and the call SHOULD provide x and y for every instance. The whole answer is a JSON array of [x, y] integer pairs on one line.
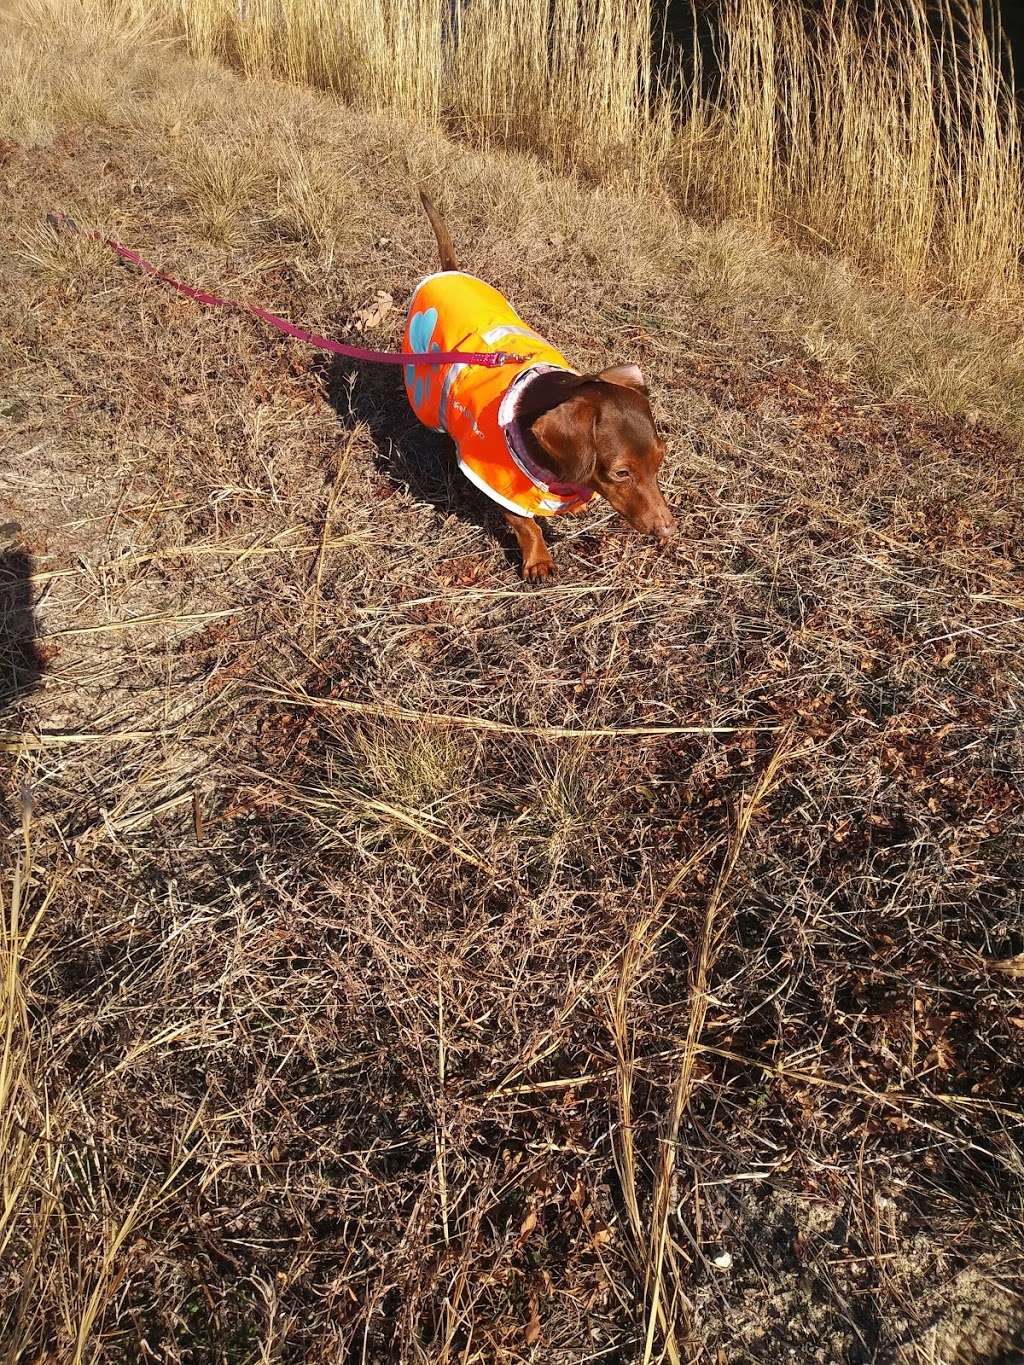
[[566, 435], [628, 376]]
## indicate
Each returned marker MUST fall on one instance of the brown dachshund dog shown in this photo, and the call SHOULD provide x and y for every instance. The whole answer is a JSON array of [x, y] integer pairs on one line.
[[535, 436]]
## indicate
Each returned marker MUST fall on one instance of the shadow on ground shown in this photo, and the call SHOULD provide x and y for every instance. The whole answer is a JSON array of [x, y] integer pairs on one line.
[[415, 459], [21, 663]]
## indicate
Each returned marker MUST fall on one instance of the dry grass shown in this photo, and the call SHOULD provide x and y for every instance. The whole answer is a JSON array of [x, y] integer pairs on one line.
[[888, 134], [399, 965]]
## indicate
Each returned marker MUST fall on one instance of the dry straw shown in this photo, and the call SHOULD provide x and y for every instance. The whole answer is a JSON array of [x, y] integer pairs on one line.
[[887, 133]]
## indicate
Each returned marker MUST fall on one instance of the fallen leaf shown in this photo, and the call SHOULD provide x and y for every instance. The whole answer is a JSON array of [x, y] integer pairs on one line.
[[366, 319], [941, 1054], [527, 1226], [533, 1326]]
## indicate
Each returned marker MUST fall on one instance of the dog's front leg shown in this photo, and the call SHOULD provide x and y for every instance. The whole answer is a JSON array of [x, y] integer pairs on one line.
[[537, 561]]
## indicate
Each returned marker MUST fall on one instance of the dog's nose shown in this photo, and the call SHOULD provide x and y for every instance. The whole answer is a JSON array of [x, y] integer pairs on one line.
[[664, 528]]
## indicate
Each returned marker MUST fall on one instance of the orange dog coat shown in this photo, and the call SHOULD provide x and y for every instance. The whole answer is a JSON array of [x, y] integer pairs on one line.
[[452, 311]]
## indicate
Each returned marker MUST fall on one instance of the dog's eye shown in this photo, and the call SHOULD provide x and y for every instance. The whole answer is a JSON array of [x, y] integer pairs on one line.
[[621, 475]]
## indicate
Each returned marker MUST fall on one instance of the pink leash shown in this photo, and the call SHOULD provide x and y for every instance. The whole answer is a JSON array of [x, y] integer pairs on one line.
[[487, 359]]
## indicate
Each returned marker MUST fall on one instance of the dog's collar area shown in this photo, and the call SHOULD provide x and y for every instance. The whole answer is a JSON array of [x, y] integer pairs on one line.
[[515, 438]]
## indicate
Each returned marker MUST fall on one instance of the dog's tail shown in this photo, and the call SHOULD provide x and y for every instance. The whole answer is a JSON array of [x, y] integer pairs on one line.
[[449, 261]]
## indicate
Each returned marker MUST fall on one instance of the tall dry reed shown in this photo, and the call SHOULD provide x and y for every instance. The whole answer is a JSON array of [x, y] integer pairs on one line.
[[889, 135], [886, 133]]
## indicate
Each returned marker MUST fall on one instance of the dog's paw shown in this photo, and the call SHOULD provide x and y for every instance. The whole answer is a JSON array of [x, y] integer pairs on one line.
[[539, 570]]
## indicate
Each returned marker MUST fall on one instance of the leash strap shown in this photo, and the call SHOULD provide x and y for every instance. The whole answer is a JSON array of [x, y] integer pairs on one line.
[[486, 359]]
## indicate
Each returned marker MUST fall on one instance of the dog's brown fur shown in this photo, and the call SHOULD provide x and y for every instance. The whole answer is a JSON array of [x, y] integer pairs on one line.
[[594, 429]]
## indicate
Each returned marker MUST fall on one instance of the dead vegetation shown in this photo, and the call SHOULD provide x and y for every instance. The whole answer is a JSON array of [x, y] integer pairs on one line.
[[885, 132], [398, 965]]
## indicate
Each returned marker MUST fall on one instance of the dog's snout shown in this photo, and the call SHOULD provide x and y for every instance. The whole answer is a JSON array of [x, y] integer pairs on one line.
[[656, 521]]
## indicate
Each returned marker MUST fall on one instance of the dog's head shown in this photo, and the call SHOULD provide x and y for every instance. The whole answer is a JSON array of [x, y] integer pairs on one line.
[[600, 432]]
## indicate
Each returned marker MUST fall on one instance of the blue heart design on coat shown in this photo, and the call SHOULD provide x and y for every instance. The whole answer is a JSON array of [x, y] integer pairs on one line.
[[421, 331]]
